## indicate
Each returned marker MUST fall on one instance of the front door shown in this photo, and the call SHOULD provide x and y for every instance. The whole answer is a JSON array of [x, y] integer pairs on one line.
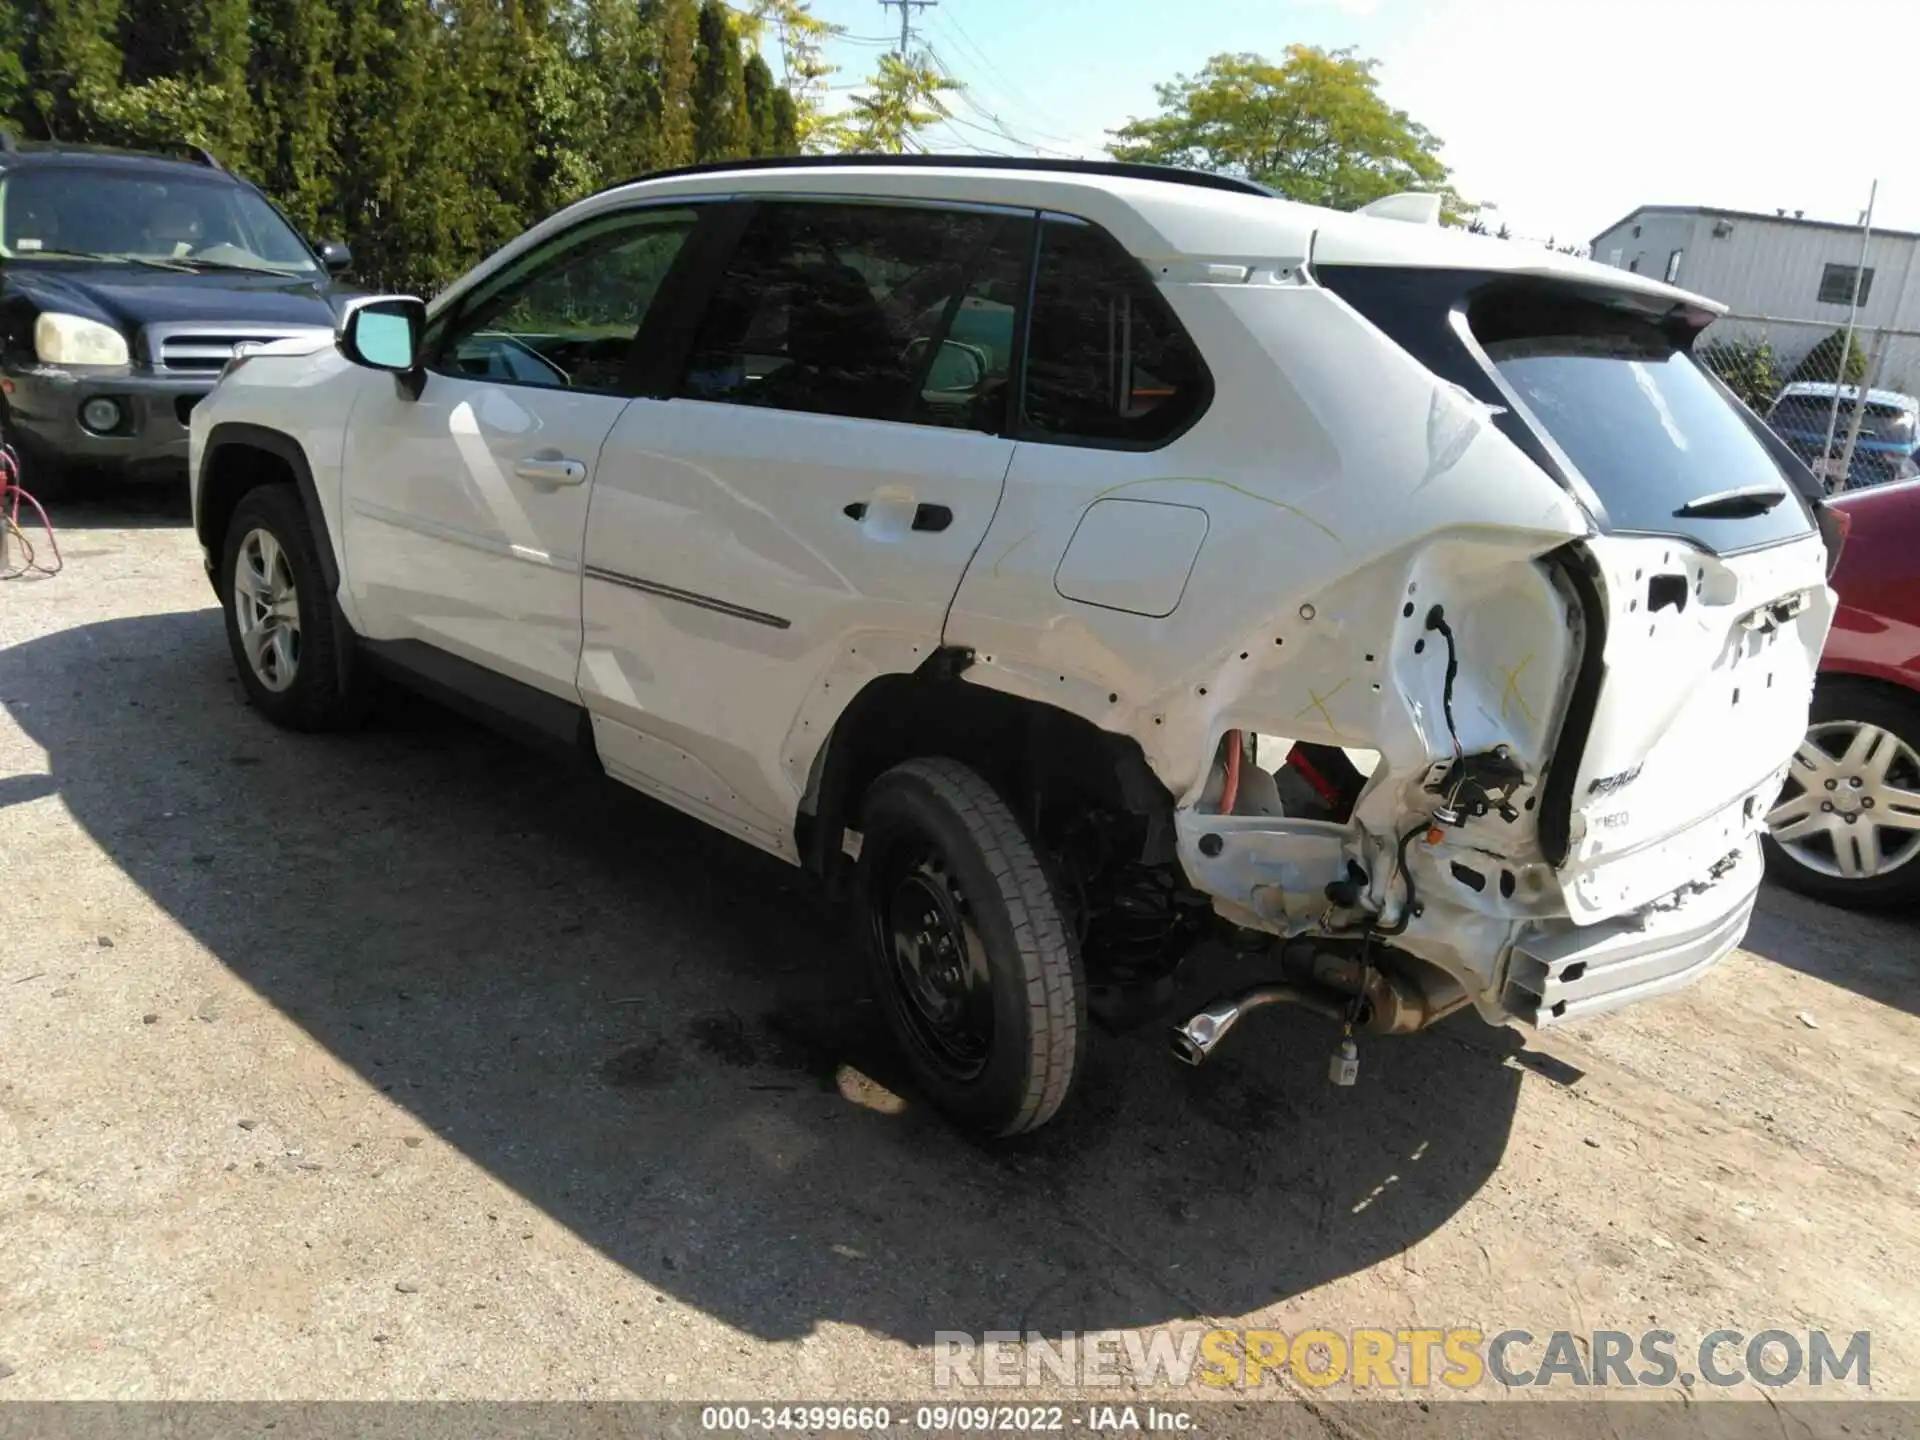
[[465, 507], [806, 502]]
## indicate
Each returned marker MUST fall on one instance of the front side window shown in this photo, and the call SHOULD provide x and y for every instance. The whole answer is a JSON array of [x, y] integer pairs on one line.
[[1107, 361], [871, 312], [565, 316], [132, 217]]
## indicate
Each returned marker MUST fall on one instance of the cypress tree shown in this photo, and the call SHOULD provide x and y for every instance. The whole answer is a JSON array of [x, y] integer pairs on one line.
[[757, 82], [672, 28], [296, 94], [72, 64], [720, 130]]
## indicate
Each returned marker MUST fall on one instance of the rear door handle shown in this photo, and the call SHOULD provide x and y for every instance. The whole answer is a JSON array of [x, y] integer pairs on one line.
[[551, 470], [925, 517]]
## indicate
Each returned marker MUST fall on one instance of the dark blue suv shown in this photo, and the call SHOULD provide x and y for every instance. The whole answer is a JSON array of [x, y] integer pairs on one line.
[[126, 281]]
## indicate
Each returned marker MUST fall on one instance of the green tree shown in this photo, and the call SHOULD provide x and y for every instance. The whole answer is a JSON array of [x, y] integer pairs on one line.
[[674, 28], [760, 89], [1749, 368], [721, 129], [903, 97], [1823, 361], [71, 58], [297, 94], [1312, 126], [14, 88], [805, 72], [183, 77]]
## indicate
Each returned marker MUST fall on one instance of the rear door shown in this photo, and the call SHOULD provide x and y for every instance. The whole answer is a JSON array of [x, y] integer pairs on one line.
[[810, 493]]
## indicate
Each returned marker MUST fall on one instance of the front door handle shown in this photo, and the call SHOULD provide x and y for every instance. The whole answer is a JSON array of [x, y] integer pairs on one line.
[[551, 470]]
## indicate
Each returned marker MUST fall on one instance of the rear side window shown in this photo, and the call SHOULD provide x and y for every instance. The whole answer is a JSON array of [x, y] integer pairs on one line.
[[872, 312], [1107, 361]]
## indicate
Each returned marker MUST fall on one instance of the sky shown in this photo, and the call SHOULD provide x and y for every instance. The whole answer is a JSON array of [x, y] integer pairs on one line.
[[1564, 115]]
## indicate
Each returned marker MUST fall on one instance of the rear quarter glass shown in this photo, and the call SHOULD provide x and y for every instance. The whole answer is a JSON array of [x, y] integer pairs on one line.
[[1595, 384]]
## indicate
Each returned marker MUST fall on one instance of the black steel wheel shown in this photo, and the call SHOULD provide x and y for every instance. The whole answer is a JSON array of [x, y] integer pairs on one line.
[[973, 963]]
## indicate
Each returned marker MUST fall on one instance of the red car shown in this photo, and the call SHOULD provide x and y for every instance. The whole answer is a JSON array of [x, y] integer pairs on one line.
[[1847, 826]]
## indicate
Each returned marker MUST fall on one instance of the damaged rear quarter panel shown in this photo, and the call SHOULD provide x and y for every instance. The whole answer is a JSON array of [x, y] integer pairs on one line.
[[1328, 461], [1347, 493]]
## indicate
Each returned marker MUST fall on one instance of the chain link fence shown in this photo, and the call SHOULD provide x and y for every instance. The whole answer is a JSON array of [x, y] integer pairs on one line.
[[1806, 379]]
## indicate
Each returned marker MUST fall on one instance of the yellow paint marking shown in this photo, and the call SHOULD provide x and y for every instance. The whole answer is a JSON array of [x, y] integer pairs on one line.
[[1008, 551], [1319, 702], [1512, 690], [1293, 510]]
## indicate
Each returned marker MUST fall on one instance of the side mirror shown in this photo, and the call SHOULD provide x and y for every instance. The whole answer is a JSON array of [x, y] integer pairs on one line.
[[335, 255], [383, 332]]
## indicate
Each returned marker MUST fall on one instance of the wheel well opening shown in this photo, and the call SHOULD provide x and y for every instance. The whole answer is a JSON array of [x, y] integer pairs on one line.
[[1099, 817], [1039, 757], [230, 472]]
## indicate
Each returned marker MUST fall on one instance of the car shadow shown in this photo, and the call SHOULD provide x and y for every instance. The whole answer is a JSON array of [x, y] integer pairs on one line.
[[660, 1037], [1865, 952], [112, 505]]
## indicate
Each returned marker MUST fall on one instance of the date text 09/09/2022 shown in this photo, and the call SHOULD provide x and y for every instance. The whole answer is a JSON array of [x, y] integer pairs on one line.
[[948, 1419]]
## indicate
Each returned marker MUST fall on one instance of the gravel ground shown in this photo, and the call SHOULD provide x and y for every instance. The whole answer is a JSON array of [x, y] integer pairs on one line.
[[409, 1065]]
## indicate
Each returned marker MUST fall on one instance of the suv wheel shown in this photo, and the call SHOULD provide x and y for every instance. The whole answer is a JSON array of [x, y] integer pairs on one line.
[[279, 616], [1846, 828], [974, 963]]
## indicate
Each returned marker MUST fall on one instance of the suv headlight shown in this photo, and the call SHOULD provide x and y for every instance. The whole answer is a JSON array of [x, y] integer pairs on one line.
[[75, 340]]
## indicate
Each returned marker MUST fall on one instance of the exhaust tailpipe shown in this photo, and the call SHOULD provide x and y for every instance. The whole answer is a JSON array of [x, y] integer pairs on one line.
[[1199, 1036]]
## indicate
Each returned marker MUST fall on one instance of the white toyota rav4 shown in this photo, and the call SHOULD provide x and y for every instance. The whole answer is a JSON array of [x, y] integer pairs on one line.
[[1074, 562]]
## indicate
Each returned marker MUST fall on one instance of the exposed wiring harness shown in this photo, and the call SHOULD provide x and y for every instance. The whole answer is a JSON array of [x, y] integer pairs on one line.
[[13, 540], [1406, 879], [1437, 620]]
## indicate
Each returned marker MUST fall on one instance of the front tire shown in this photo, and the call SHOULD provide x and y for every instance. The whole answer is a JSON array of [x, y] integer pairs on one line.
[[1846, 828], [279, 617], [973, 961]]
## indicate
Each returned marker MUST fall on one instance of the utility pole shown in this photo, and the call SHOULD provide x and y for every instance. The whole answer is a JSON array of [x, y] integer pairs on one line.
[[1846, 343], [907, 7]]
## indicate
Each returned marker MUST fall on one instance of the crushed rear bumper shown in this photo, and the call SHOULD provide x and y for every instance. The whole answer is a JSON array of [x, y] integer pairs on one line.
[[1563, 972]]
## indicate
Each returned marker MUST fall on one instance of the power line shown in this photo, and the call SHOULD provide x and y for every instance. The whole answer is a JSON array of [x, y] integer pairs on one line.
[[1006, 87], [1001, 130], [907, 7]]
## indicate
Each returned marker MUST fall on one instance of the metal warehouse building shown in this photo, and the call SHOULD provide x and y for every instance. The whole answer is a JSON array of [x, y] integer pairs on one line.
[[1784, 278]]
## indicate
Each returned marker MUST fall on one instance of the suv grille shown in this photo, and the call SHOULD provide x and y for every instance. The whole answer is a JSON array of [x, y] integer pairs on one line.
[[203, 348]]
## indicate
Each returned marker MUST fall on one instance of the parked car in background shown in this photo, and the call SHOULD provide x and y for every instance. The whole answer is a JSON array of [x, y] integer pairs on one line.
[[1847, 825], [953, 526], [1887, 447], [126, 281]]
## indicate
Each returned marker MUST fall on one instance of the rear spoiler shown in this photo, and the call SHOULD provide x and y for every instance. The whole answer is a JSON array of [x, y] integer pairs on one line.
[[1417, 207]]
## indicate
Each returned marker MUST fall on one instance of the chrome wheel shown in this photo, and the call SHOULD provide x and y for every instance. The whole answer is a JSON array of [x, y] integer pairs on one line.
[[266, 607], [1851, 805]]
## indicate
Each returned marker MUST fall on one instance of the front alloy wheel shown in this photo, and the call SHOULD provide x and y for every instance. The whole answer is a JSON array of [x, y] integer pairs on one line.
[[266, 610], [1847, 825], [298, 664]]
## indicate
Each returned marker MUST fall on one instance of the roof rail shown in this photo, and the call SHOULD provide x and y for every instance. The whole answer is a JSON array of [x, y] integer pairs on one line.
[[1118, 169], [10, 145]]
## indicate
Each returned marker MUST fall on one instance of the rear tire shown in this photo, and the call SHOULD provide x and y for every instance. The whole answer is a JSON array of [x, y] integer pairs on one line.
[[280, 620], [974, 964], [1858, 730]]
